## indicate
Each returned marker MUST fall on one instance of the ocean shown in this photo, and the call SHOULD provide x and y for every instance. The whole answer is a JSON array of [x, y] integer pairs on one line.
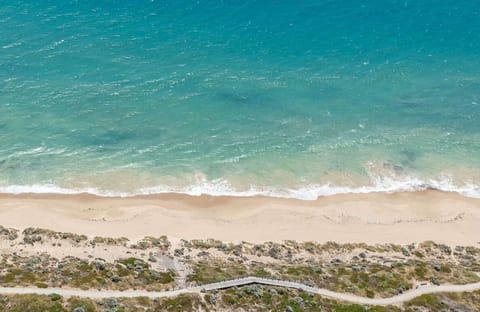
[[277, 98]]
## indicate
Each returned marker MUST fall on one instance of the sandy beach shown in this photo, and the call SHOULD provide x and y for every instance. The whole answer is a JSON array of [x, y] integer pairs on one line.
[[371, 218]]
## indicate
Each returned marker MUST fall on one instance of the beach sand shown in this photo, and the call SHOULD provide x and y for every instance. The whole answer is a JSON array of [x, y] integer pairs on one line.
[[371, 218]]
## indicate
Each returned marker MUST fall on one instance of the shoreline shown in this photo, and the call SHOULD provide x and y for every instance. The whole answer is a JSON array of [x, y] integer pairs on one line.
[[307, 193], [399, 218]]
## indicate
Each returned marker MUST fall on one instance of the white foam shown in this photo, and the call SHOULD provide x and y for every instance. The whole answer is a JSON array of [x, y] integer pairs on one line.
[[54, 189], [38, 151], [223, 188]]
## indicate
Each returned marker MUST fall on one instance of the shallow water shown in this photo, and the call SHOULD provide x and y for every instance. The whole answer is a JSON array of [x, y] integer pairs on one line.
[[227, 97]]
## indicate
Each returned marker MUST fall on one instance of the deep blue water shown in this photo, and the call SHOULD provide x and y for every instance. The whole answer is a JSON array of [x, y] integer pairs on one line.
[[283, 98]]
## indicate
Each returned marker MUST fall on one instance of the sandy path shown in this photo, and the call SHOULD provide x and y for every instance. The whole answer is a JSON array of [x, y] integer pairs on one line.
[[95, 294]]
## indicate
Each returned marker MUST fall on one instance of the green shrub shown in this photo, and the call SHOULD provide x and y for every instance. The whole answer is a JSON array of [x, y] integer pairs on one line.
[[55, 297]]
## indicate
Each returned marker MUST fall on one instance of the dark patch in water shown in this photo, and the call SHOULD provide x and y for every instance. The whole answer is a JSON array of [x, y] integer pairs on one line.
[[388, 165], [112, 137], [242, 99], [413, 102], [408, 104], [409, 157], [233, 98]]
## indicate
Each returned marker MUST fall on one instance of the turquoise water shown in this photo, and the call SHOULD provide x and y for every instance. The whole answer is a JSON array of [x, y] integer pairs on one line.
[[281, 98]]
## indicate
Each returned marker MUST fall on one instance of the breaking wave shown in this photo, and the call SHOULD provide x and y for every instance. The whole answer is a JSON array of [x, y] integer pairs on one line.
[[223, 188]]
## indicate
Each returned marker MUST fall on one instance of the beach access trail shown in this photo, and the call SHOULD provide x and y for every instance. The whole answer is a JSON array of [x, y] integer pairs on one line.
[[97, 294]]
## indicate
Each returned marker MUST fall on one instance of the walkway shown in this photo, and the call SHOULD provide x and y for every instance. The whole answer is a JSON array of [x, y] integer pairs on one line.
[[96, 294]]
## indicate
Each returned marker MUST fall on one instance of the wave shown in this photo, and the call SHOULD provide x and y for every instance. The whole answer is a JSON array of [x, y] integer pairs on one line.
[[38, 151], [223, 188]]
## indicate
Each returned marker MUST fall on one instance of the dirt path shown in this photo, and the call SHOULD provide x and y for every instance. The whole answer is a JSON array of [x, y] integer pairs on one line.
[[406, 296]]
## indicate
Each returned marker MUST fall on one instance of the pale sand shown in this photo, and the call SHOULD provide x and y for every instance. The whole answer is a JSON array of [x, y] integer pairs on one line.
[[371, 218]]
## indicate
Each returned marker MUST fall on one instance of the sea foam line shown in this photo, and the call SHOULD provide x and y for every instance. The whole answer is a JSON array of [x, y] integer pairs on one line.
[[222, 188]]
